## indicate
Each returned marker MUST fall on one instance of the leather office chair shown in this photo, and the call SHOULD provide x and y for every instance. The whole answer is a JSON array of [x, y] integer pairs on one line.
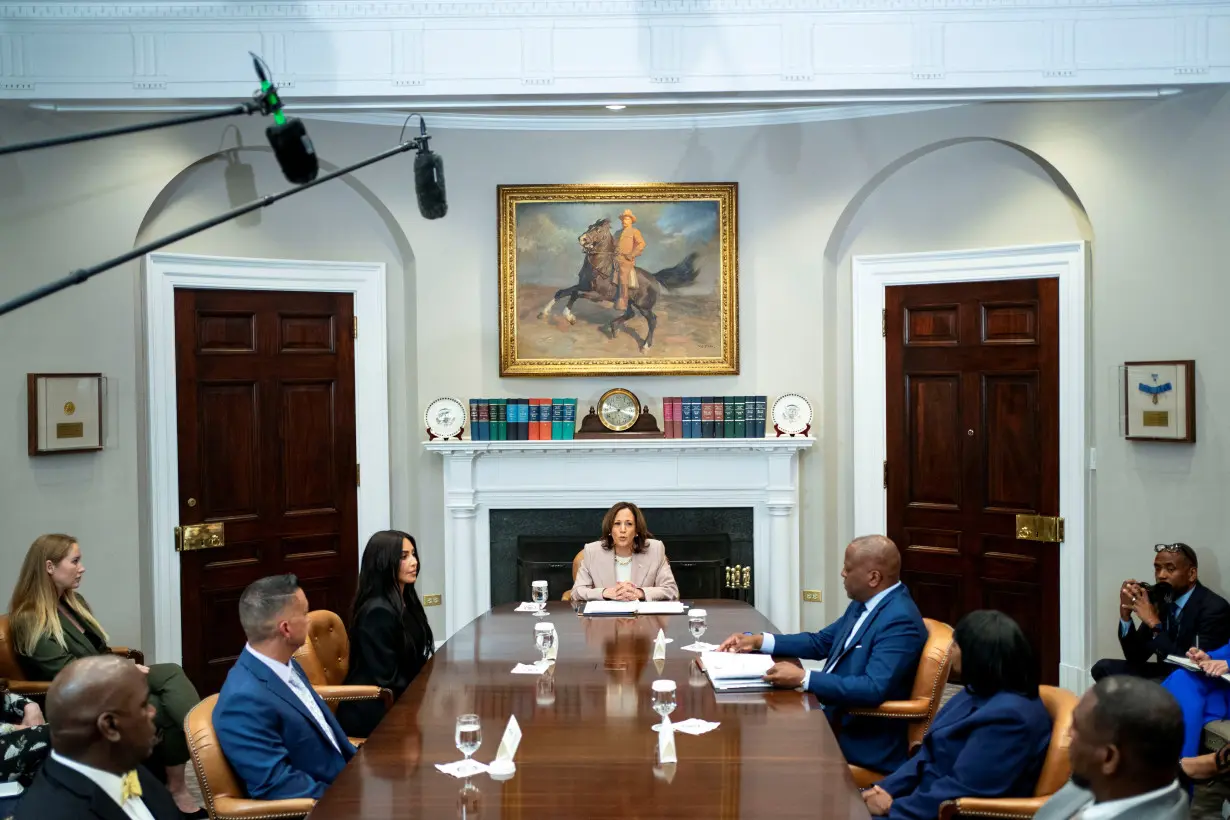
[[576, 567], [929, 682], [1056, 769], [325, 658], [11, 669], [220, 789]]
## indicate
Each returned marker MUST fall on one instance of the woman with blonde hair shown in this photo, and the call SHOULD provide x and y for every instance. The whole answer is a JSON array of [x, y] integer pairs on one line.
[[52, 626], [627, 563]]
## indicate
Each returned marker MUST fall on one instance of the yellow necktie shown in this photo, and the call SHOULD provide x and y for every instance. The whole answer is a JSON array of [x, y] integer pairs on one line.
[[131, 787]]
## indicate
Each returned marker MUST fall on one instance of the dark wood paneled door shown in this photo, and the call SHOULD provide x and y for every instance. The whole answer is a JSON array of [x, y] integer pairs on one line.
[[266, 420], [973, 440]]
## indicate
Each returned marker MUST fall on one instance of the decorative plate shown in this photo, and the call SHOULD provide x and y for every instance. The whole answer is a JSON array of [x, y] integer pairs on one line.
[[445, 417], [792, 414]]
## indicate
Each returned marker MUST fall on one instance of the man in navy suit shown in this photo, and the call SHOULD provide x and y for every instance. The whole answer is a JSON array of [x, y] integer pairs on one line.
[[872, 654], [276, 732]]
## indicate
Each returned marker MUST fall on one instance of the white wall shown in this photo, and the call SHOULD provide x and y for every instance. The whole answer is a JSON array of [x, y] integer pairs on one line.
[[1151, 175]]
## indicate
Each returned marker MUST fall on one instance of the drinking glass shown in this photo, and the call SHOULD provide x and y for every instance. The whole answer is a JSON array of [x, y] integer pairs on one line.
[[696, 622], [664, 697], [538, 593], [469, 735], [469, 801], [544, 638], [544, 691], [578, 605]]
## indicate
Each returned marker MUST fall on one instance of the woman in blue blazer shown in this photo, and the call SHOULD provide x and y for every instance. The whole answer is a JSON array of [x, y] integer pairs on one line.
[[989, 740], [1203, 696]]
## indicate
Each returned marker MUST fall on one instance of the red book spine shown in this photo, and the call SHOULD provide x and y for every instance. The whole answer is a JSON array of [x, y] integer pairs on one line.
[[668, 417], [544, 419], [677, 403]]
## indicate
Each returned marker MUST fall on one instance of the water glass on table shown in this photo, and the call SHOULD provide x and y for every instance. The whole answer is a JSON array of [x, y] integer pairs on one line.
[[469, 735], [544, 638], [696, 622], [664, 697], [538, 594]]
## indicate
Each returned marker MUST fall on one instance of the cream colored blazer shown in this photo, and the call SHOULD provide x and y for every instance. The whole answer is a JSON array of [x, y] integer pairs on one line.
[[650, 571]]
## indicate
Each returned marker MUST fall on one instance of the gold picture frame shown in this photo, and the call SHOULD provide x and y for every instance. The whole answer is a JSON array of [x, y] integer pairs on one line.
[[576, 301]]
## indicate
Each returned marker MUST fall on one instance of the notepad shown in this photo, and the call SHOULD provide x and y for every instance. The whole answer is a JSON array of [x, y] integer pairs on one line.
[[1190, 665], [731, 671], [659, 607]]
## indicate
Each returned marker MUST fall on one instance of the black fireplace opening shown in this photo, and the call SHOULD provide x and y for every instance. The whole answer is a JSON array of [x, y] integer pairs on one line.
[[703, 544]]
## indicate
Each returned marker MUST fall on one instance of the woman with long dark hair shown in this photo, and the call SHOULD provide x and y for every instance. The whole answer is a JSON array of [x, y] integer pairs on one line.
[[390, 638], [627, 563], [989, 740]]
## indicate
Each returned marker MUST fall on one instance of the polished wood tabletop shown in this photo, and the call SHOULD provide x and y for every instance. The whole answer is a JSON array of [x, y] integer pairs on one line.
[[587, 749]]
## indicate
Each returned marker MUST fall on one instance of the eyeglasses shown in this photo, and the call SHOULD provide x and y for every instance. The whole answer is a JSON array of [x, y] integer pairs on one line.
[[1178, 547]]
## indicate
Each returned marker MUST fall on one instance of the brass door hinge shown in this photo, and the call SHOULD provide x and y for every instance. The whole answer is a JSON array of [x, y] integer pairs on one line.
[[358, 475], [355, 323], [884, 323], [886, 474], [192, 537], [1048, 528]]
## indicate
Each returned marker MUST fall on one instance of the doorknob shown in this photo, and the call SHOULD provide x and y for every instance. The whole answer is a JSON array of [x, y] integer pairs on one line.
[[191, 502]]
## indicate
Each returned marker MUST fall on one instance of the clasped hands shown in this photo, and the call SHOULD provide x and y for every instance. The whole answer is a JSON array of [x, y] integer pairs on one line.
[[787, 674], [878, 801], [1134, 598], [624, 591], [1210, 667]]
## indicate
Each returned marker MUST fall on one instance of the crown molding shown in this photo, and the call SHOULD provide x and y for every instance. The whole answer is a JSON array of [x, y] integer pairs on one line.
[[425, 53]]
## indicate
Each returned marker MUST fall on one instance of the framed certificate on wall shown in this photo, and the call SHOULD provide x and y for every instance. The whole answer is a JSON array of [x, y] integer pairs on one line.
[[65, 412], [1159, 401]]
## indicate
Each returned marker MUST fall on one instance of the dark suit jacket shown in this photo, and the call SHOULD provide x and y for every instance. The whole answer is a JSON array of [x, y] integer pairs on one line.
[[1206, 614], [59, 793], [387, 649], [977, 747], [879, 665], [271, 739]]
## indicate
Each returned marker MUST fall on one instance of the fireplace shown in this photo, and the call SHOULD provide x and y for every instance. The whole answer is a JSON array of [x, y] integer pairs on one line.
[[542, 500], [701, 543]]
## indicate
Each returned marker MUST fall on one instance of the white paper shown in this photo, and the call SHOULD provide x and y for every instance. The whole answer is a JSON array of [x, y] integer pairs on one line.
[[691, 726], [731, 666], [535, 668], [660, 607], [553, 652], [510, 741], [666, 743], [659, 647], [462, 768], [529, 606], [1186, 663], [701, 646], [610, 607]]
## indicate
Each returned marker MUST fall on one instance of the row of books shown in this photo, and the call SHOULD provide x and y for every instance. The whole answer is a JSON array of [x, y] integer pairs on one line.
[[714, 416], [522, 419]]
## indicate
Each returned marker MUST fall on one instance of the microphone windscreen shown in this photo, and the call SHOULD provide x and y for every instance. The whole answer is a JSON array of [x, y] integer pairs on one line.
[[294, 150], [429, 184]]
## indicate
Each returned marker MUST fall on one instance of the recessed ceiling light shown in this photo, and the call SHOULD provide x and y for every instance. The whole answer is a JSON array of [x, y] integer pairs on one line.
[[616, 107]]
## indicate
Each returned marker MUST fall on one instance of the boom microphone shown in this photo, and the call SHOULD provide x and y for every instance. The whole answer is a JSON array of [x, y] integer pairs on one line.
[[288, 137], [429, 183]]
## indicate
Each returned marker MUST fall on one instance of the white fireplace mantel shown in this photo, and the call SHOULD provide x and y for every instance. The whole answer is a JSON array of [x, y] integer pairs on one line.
[[762, 474]]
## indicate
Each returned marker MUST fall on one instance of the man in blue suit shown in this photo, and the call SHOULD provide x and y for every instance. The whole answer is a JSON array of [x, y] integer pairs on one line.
[[276, 732], [871, 654]]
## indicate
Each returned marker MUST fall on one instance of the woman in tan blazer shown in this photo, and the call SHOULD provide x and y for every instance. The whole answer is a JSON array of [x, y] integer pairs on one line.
[[628, 564]]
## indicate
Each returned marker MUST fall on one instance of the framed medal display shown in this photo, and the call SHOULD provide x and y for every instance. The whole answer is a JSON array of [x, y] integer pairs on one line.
[[1159, 401]]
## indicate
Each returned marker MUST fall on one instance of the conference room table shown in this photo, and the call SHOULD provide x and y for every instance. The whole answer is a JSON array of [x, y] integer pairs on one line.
[[587, 748]]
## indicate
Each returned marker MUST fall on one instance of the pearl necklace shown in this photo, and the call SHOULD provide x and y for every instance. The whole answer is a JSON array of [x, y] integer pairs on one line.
[[623, 561]]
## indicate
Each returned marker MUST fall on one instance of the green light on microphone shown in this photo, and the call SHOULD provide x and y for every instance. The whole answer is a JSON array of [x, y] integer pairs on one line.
[[271, 97]]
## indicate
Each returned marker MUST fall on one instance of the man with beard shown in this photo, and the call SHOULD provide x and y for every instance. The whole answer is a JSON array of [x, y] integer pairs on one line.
[[1125, 742], [1177, 614]]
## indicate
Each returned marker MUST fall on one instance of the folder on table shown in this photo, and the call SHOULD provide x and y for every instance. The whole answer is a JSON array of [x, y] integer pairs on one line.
[[729, 670]]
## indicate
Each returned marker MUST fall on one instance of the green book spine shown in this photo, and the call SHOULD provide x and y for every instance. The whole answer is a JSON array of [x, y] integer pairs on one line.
[[740, 416], [728, 415], [557, 419], [500, 406]]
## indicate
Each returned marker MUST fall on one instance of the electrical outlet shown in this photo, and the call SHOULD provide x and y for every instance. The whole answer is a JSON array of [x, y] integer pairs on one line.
[[431, 600], [812, 595]]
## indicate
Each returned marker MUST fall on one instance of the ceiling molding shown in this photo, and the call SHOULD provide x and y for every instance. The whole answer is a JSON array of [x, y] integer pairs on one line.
[[436, 52]]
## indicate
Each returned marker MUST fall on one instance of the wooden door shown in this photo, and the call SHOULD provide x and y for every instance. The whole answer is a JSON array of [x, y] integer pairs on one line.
[[973, 440], [266, 416]]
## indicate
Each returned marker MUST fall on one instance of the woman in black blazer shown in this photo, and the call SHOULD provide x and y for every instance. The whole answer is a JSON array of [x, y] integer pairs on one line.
[[390, 638]]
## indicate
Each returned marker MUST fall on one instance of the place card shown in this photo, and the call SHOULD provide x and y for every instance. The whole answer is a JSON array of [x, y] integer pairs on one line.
[[701, 646], [462, 768], [659, 647], [535, 668], [666, 743]]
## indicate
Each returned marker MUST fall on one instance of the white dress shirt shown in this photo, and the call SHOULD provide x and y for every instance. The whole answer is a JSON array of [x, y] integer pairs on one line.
[[286, 673], [623, 572], [1114, 808], [1179, 603], [769, 641], [111, 784]]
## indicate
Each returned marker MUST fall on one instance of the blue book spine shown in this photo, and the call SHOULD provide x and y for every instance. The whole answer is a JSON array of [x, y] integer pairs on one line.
[[474, 420], [557, 419], [685, 417], [570, 418], [696, 402]]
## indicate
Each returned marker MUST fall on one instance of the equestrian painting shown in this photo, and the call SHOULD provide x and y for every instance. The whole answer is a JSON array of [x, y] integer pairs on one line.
[[618, 279]]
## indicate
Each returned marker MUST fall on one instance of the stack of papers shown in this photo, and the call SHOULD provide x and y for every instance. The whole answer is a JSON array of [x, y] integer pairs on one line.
[[633, 608], [730, 671]]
